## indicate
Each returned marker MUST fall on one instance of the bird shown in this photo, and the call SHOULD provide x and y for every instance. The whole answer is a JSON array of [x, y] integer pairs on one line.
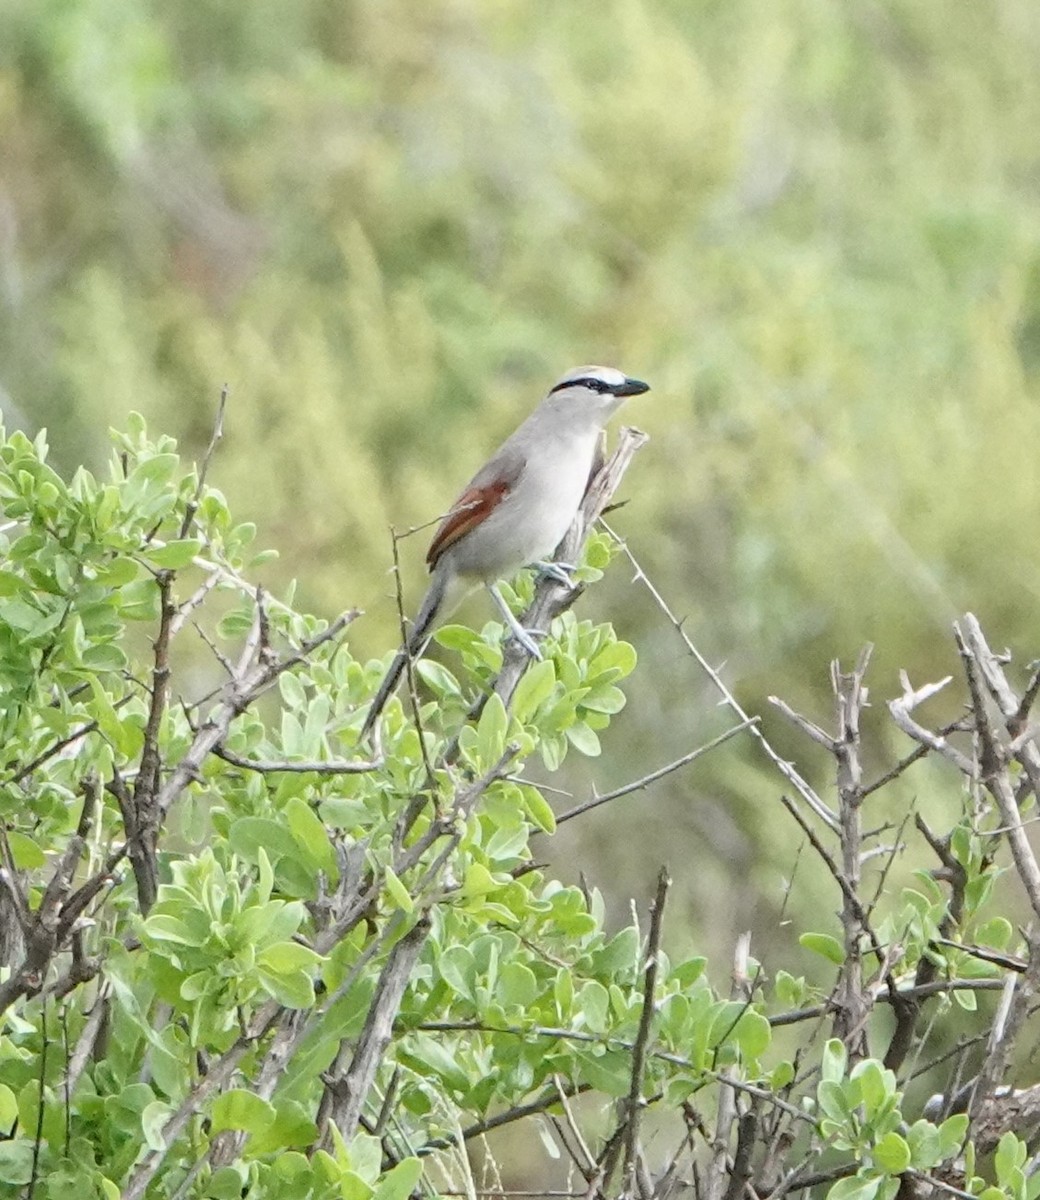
[[516, 509]]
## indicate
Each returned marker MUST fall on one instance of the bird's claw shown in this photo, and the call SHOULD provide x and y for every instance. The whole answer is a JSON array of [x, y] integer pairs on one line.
[[559, 571], [526, 639]]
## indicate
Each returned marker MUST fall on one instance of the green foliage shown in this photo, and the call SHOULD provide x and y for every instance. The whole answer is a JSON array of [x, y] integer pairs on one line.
[[216, 895]]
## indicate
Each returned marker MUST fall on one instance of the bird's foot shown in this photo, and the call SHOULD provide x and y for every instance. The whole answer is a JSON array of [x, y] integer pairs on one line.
[[526, 638], [559, 571]]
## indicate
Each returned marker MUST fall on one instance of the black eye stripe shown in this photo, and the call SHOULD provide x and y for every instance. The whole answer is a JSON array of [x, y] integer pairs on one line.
[[596, 385]]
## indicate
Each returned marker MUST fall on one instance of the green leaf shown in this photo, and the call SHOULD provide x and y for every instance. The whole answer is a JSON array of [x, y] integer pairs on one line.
[[517, 985], [226, 1183], [832, 1067], [240, 1109], [174, 554], [456, 637], [824, 944], [292, 1126], [162, 928], [925, 1145], [399, 1182], [353, 1187], [491, 730], [536, 685], [104, 656], [892, 1154], [8, 1108], [294, 989], [996, 933], [26, 852], [753, 1034], [153, 1121], [310, 835], [458, 969], [593, 1002], [285, 957], [1010, 1156], [16, 1159], [781, 1075], [951, 1135], [583, 739], [856, 1188], [437, 677], [617, 657], [538, 809], [877, 1085], [249, 834], [396, 891]]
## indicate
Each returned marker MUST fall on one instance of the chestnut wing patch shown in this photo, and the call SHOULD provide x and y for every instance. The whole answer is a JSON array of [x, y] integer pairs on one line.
[[470, 510]]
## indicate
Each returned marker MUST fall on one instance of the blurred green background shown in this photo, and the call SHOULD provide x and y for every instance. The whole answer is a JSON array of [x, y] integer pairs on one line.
[[813, 227]]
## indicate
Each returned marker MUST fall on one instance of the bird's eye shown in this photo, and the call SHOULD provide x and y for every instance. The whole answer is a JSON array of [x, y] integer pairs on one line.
[[598, 385]]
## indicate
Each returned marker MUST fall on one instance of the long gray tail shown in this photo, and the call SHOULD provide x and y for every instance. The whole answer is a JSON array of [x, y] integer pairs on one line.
[[412, 649]]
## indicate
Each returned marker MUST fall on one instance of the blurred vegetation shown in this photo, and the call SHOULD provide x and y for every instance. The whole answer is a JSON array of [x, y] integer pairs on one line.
[[813, 227]]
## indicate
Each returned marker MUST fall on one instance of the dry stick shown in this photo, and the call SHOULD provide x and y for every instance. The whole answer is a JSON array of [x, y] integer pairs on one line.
[[142, 818], [785, 768], [338, 766], [906, 1007], [1014, 711], [994, 764], [727, 1108], [350, 1096], [654, 776], [851, 696], [44, 930], [635, 1105], [747, 1130], [384, 1006], [87, 1040], [586, 1163], [936, 987], [903, 706], [144, 813], [915, 755], [517, 1113], [994, 757], [192, 506]]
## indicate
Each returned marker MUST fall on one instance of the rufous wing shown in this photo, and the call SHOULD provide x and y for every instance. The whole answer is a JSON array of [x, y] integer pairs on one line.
[[472, 508]]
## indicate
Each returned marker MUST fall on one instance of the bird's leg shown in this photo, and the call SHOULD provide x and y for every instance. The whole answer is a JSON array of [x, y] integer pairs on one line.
[[522, 635], [560, 571]]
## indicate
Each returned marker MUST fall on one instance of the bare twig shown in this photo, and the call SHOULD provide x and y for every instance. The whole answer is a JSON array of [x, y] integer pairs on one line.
[[901, 709], [850, 695], [717, 1171], [786, 769], [350, 1095], [654, 776], [634, 1107], [356, 766]]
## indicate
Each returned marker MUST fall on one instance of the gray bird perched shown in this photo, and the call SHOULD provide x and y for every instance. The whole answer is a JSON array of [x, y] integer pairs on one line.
[[515, 511]]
